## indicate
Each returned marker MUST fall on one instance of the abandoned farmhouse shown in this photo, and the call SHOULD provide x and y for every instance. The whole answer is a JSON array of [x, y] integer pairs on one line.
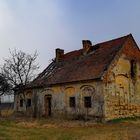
[[98, 81]]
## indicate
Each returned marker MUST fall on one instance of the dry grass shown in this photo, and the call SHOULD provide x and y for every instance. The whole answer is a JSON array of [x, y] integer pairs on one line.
[[54, 129], [50, 129], [6, 112]]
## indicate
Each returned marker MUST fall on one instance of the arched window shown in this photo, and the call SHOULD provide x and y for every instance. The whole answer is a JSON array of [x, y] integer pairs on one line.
[[87, 92]]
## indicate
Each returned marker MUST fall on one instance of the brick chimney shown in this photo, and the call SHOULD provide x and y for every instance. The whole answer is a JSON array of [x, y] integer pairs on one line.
[[87, 45], [59, 53]]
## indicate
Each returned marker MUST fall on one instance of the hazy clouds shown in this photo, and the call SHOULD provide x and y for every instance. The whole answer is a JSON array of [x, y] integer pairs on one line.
[[44, 25]]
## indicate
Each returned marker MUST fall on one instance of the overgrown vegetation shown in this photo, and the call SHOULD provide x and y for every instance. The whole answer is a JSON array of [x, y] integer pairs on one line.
[[53, 129]]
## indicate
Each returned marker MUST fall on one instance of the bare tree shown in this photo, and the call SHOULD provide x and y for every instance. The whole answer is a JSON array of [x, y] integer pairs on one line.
[[19, 69], [5, 88]]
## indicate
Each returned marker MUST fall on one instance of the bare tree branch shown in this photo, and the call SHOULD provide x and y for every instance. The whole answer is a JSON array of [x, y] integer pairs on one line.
[[20, 68]]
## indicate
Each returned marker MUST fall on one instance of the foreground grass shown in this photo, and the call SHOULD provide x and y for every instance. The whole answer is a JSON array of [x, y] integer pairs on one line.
[[68, 130]]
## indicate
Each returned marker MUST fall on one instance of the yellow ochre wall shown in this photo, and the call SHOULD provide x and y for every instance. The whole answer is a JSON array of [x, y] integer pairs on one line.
[[122, 92]]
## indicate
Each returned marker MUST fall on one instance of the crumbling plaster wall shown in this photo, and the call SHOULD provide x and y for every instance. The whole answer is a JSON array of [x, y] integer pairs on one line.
[[122, 92], [60, 99], [28, 95]]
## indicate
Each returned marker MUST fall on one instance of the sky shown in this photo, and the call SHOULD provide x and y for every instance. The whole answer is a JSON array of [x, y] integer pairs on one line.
[[45, 25]]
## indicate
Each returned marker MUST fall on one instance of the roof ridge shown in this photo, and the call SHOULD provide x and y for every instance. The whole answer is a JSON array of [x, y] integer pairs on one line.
[[101, 43], [126, 36], [74, 51]]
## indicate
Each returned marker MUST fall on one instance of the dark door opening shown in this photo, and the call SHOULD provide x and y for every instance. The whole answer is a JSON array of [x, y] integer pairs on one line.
[[48, 105]]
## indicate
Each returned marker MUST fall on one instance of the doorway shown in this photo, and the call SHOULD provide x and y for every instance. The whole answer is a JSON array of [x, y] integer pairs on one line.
[[47, 104]]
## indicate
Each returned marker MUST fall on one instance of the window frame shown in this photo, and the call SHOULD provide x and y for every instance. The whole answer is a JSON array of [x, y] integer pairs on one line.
[[72, 102], [21, 102], [29, 102], [87, 102], [133, 68]]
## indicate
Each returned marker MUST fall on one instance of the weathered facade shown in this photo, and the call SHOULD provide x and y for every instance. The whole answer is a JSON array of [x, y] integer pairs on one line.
[[99, 81]]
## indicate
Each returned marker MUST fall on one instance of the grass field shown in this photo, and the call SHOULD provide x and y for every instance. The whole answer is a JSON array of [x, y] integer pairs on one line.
[[21, 129]]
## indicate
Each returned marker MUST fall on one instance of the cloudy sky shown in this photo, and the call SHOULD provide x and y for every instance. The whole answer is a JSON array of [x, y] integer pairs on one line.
[[44, 25]]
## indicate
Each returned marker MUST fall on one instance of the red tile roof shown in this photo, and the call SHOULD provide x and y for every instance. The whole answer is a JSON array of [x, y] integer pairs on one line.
[[78, 67]]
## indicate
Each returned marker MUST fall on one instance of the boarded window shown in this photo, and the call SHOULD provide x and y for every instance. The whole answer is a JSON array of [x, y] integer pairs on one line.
[[28, 102], [133, 68], [21, 102], [72, 101], [87, 101]]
